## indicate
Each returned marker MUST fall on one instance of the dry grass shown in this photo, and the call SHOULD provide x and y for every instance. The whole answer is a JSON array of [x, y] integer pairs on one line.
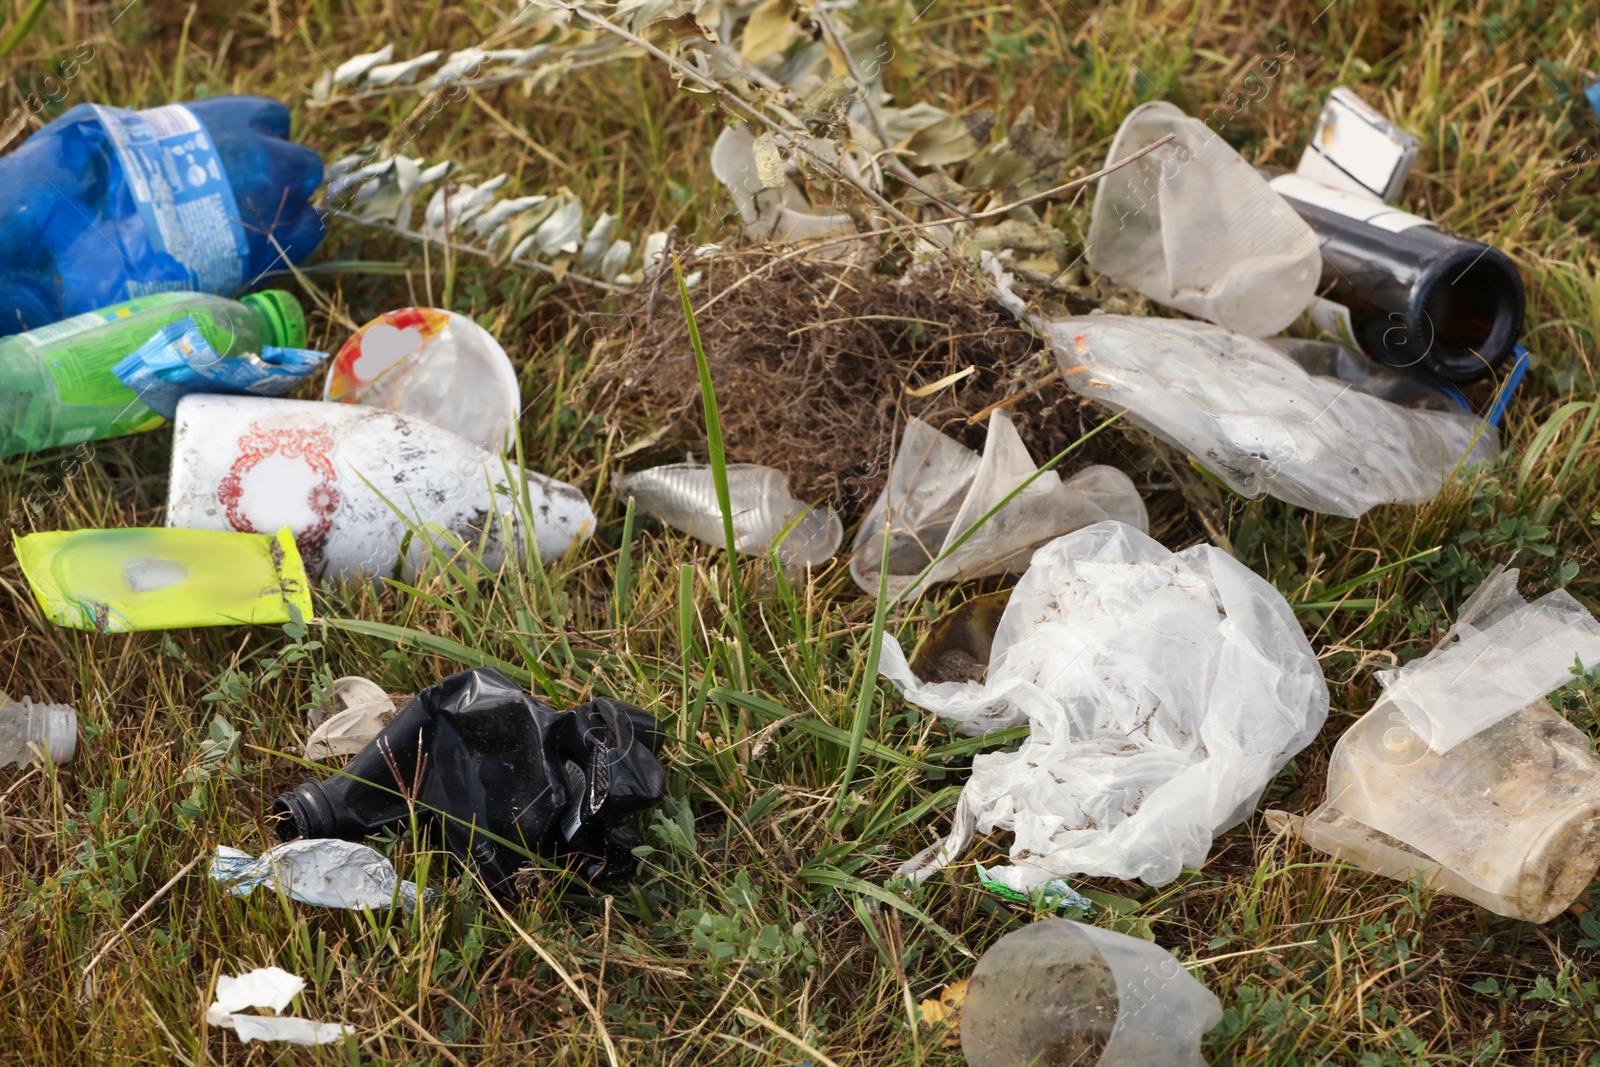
[[739, 945]]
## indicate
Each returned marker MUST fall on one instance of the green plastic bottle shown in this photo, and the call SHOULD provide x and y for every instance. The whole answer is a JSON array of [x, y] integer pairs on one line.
[[56, 384]]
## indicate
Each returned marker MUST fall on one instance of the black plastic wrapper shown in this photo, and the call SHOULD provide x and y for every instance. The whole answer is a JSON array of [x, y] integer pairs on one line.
[[489, 757]]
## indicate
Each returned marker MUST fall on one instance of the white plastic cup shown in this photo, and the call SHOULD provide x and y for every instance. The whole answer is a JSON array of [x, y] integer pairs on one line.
[[341, 477]]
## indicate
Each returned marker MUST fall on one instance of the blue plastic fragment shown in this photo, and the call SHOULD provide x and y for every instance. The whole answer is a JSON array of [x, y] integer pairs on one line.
[[1502, 400], [1593, 93], [178, 360]]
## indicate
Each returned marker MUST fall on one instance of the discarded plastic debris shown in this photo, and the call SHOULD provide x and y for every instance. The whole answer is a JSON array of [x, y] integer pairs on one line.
[[502, 776], [347, 480], [361, 711], [684, 496], [433, 364], [1063, 992], [1256, 420], [938, 490], [94, 217], [1164, 690], [773, 206], [267, 987], [1056, 893], [1405, 292], [116, 581], [1194, 227], [325, 871], [1509, 817], [1355, 149], [29, 730], [69, 382]]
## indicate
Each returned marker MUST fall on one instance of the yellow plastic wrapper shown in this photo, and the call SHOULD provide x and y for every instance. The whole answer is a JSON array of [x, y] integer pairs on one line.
[[115, 581]]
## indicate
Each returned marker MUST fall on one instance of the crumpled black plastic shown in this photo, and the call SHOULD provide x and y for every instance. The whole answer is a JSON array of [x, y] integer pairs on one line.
[[478, 754]]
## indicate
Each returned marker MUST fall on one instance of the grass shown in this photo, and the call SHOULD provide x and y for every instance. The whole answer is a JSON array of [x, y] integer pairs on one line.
[[760, 931]]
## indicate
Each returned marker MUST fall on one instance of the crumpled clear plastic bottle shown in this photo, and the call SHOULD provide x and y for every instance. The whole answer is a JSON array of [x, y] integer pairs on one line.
[[684, 496], [1060, 993]]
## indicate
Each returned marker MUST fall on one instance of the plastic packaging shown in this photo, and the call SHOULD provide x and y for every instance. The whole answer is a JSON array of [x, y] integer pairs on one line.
[[29, 730], [1192, 226], [433, 364], [342, 476], [684, 496], [1407, 293], [1259, 422], [115, 581], [1164, 690], [327, 872], [361, 711], [272, 988], [938, 489], [108, 204], [1508, 818], [1063, 992], [59, 383], [499, 776]]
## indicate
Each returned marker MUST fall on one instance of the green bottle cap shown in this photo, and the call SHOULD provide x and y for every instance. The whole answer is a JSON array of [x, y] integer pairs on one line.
[[285, 322]]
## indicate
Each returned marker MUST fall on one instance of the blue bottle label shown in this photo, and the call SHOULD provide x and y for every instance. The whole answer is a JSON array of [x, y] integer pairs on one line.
[[183, 195]]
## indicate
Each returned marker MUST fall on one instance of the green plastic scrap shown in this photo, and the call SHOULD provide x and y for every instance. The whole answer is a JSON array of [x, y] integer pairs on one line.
[[115, 581], [1055, 894]]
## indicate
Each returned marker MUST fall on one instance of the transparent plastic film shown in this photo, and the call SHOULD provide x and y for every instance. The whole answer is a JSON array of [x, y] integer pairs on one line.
[[1256, 419], [938, 490]]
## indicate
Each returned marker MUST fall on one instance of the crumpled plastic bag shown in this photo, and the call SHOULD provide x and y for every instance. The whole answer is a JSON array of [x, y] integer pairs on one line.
[[324, 871], [178, 360], [684, 496], [1194, 227], [267, 987], [1164, 691], [938, 489], [1483, 672], [1254, 418], [1509, 816]]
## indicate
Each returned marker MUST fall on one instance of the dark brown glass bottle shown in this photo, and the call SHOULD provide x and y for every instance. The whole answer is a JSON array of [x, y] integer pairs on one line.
[[1412, 296]]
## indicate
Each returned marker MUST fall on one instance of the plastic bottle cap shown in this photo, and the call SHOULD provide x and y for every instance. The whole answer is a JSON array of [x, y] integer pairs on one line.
[[286, 323]]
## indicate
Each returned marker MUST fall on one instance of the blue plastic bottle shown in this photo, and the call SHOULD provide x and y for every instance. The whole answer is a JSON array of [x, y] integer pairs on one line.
[[109, 204]]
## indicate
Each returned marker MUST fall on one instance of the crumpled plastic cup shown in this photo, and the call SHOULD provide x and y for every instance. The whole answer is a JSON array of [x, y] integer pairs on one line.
[[436, 365], [1192, 226], [938, 490], [1064, 992]]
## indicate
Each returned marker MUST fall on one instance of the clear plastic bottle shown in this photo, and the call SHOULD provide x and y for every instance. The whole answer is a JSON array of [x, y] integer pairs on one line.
[[53, 727], [56, 382]]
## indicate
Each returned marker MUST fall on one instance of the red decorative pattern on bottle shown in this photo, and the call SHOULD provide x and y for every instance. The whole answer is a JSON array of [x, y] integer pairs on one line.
[[311, 445]]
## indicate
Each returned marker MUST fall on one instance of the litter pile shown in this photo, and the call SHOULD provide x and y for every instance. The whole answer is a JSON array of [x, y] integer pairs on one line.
[[1162, 690]]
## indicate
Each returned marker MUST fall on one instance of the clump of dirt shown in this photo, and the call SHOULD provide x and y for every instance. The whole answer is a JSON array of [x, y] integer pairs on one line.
[[817, 366]]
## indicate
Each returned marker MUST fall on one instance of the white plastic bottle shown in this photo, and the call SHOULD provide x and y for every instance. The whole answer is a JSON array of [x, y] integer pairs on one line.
[[53, 727]]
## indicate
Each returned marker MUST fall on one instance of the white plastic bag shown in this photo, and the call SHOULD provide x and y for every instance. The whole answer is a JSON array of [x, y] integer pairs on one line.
[[1164, 690], [1194, 227], [1254, 418], [684, 496], [938, 489], [772, 206]]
